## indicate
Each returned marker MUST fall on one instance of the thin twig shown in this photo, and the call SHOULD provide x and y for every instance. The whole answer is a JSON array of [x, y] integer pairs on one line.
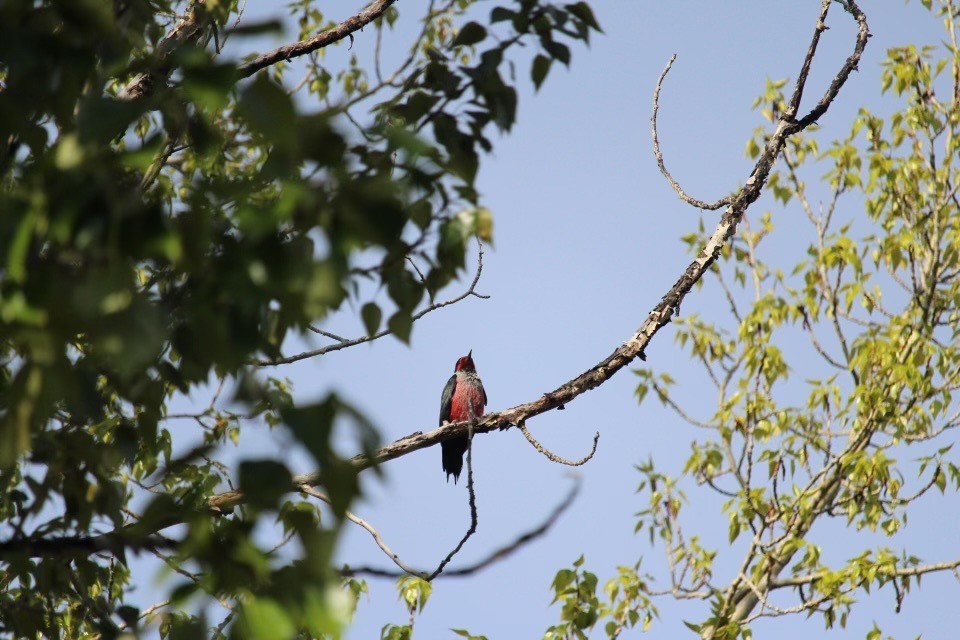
[[700, 204], [497, 555], [307, 489], [236, 23], [901, 572], [146, 612], [552, 456], [472, 500], [345, 343]]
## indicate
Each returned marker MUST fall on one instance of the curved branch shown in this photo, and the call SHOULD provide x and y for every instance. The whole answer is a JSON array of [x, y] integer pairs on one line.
[[794, 104], [334, 34], [406, 570], [554, 457], [496, 556], [307, 489], [849, 65], [473, 507], [699, 204]]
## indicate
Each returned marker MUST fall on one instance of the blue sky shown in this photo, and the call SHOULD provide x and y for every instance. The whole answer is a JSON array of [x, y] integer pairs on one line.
[[586, 242]]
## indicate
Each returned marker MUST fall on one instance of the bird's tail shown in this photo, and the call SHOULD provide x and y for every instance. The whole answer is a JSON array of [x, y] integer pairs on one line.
[[453, 451]]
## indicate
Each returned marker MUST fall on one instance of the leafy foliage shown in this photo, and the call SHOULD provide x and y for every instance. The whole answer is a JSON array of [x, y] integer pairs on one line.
[[168, 226], [628, 602], [835, 372]]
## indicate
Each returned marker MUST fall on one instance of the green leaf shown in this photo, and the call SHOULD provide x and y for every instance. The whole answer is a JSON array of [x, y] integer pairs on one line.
[[404, 289], [414, 592], [312, 425], [209, 84], [264, 482], [100, 119], [539, 69], [401, 325], [69, 154], [372, 316], [265, 619], [501, 14], [186, 627], [584, 13], [269, 111], [394, 632], [693, 627], [557, 50], [24, 413], [470, 34]]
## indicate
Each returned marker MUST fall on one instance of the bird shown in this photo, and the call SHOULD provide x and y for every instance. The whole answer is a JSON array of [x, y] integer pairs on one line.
[[463, 399]]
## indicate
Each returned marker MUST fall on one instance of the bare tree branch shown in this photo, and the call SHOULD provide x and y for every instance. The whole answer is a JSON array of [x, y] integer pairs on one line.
[[554, 457], [307, 489], [700, 204], [473, 505], [849, 65], [407, 570], [334, 34], [794, 103], [496, 556]]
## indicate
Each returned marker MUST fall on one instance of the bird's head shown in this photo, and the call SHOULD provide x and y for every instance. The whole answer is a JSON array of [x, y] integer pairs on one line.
[[466, 363]]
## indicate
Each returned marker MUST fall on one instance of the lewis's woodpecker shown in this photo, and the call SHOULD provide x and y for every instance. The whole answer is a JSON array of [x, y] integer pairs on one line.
[[463, 399]]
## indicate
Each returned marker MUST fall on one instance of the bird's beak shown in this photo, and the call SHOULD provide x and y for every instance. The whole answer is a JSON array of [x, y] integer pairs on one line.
[[470, 355]]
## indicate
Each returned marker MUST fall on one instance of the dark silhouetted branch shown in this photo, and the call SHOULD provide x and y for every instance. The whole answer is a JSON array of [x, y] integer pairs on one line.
[[115, 542], [407, 570], [473, 505], [192, 25], [496, 556]]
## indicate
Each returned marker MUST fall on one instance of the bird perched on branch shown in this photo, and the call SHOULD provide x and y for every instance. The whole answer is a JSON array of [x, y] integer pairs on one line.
[[463, 399]]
